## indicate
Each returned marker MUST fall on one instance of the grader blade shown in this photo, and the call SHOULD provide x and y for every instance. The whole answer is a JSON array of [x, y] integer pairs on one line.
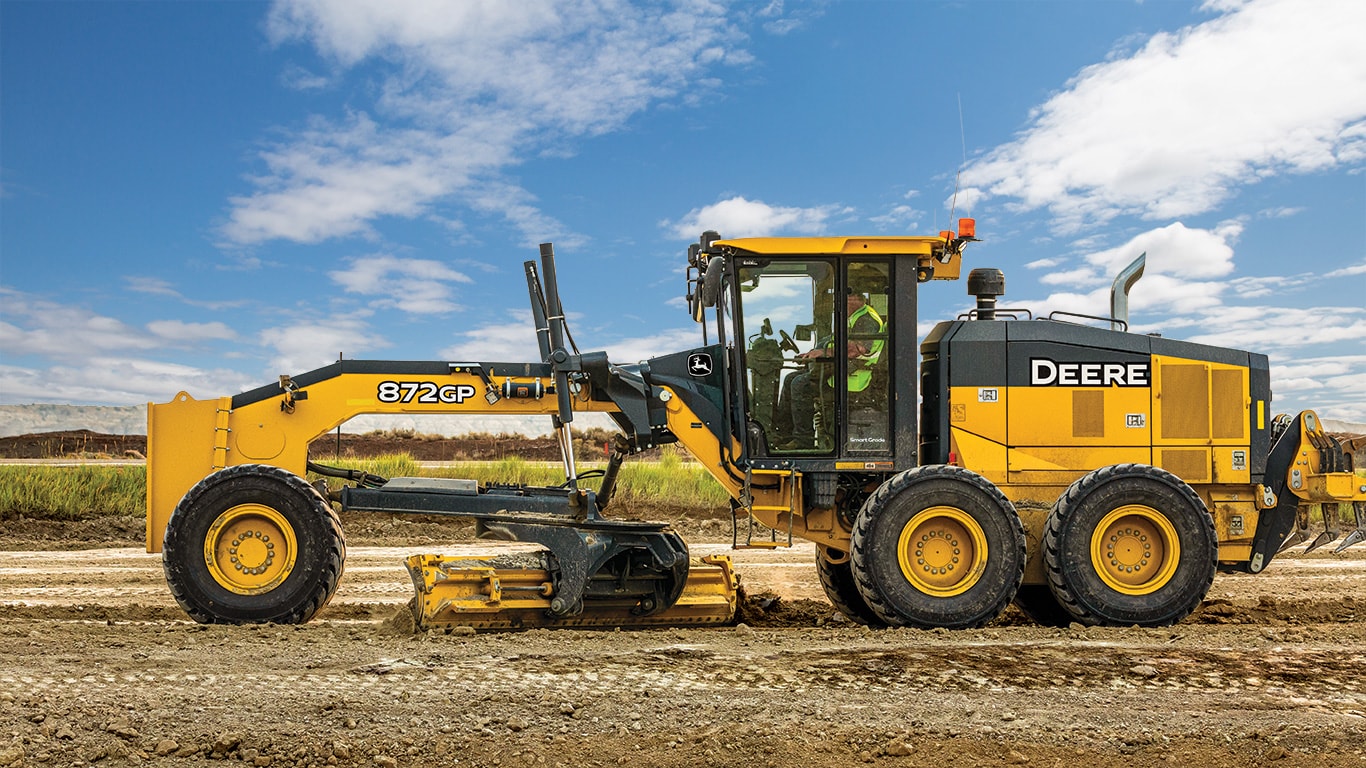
[[515, 592]]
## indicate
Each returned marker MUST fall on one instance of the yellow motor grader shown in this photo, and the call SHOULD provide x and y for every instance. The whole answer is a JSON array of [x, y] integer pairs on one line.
[[1082, 471]]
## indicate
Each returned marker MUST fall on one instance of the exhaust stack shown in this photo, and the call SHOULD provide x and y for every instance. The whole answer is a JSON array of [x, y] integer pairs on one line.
[[1119, 292]]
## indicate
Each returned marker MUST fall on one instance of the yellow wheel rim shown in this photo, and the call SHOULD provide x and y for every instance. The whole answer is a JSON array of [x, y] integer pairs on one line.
[[250, 549], [942, 551], [1135, 550]]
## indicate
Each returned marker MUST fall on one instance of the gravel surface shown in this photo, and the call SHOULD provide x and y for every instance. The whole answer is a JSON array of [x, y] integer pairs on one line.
[[99, 667]]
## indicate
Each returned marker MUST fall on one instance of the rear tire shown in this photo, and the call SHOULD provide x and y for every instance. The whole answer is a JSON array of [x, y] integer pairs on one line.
[[938, 546], [1130, 544], [253, 544], [838, 581]]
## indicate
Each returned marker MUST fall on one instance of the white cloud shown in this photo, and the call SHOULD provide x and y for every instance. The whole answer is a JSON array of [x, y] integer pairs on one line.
[[183, 332], [307, 344], [156, 286], [334, 179], [634, 350], [515, 341], [465, 90], [1264, 328], [115, 381], [297, 78], [512, 339], [1331, 386], [1270, 87], [903, 217], [964, 201], [1355, 269], [152, 285], [63, 331], [1280, 212], [79, 356], [1081, 277], [418, 286], [740, 217], [1317, 369], [1175, 250], [517, 206]]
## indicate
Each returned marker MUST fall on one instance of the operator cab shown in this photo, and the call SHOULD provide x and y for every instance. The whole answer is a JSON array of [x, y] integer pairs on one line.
[[820, 336]]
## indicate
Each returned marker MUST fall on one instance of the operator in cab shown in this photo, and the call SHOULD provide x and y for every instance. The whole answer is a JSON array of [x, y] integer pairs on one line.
[[809, 396]]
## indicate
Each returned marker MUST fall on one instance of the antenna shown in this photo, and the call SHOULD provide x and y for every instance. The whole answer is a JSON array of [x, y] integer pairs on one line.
[[963, 136]]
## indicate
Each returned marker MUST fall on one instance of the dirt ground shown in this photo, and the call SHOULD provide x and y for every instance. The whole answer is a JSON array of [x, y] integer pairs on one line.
[[98, 666]]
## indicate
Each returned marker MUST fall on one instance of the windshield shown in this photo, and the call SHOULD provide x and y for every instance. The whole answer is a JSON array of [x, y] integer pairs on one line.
[[786, 313], [816, 355]]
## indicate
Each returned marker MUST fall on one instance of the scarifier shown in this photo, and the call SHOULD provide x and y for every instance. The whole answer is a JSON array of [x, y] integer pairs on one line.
[[1082, 471]]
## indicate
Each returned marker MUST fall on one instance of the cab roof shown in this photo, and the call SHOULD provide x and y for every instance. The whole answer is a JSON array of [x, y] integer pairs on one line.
[[916, 246]]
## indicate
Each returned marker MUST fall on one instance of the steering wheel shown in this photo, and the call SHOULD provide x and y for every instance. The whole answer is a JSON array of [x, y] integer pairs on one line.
[[787, 343]]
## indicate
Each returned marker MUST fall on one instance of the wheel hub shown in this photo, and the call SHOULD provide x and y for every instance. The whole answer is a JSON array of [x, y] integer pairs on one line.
[[942, 551], [252, 552], [250, 549], [1135, 550]]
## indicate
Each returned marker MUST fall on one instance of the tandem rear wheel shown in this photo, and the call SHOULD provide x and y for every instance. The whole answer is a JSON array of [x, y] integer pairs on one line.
[[937, 546], [1130, 544], [253, 544]]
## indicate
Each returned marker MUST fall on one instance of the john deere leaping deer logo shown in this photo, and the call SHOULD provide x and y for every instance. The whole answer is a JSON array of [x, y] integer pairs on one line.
[[699, 364]]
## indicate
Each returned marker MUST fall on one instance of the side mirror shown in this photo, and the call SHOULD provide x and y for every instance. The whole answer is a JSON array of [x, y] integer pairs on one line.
[[710, 290], [805, 332]]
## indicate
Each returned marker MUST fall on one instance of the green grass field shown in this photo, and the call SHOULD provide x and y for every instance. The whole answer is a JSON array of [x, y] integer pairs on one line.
[[75, 493]]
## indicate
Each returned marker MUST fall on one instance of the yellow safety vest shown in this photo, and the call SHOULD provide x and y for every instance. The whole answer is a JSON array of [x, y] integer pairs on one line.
[[859, 378]]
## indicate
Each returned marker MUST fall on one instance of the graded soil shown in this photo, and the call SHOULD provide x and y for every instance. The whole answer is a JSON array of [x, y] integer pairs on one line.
[[100, 667]]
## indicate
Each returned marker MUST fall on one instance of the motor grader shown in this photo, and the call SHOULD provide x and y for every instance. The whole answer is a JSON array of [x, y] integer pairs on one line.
[[1084, 472]]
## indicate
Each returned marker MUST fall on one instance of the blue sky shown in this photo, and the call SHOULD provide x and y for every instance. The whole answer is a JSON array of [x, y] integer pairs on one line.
[[204, 195]]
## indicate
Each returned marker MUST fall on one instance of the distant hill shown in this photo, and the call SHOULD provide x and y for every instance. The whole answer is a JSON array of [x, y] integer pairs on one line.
[[132, 420], [105, 419], [1351, 428]]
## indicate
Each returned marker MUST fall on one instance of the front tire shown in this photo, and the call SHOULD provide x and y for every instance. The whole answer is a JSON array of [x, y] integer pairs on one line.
[[837, 579], [253, 544], [1130, 544], [938, 546]]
